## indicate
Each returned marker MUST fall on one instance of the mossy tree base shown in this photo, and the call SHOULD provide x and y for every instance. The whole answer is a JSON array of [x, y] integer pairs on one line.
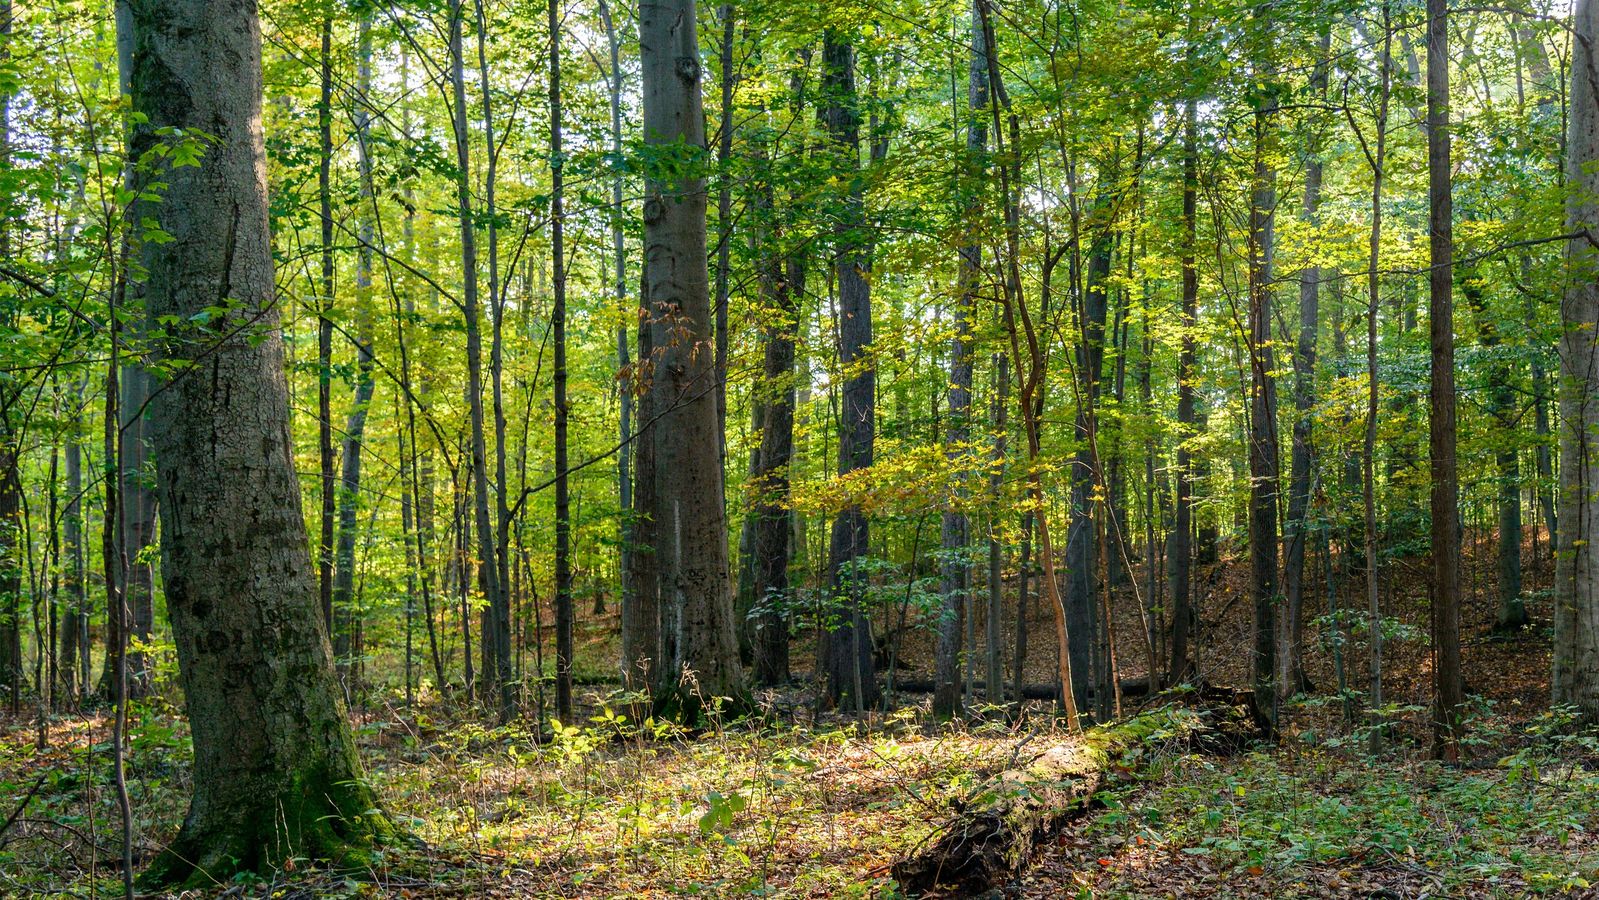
[[336, 823]]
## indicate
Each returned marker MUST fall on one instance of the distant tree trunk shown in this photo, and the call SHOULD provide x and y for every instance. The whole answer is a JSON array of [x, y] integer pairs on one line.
[[626, 313], [1023, 601], [482, 527], [1505, 411], [1082, 588], [349, 497], [324, 334], [1020, 330], [782, 283], [1263, 440], [956, 570], [1449, 688], [563, 510], [1290, 640], [275, 767], [690, 519], [1576, 641], [10, 611], [850, 670], [1180, 666], [1377, 158], [497, 552], [74, 628], [12, 674], [993, 632]]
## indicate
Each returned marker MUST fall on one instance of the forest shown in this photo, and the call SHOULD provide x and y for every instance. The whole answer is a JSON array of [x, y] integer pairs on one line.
[[880, 448]]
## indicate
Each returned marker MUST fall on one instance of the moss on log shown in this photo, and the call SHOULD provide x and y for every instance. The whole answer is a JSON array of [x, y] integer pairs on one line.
[[992, 834]]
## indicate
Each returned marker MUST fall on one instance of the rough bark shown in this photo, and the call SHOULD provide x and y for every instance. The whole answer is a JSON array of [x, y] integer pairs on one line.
[[1263, 439], [1180, 666], [563, 502], [1448, 686], [1082, 586], [782, 283], [275, 768], [850, 670]]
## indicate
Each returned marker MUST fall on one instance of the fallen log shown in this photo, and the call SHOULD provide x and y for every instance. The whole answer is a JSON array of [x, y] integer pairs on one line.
[[993, 833]]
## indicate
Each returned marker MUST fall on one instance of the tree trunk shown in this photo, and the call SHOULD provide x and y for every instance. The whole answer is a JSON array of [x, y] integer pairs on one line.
[[993, 634], [626, 314], [349, 495], [275, 767], [1263, 441], [782, 283], [74, 628], [324, 334], [563, 509], [483, 528], [690, 519], [955, 565], [1576, 642], [1449, 689], [641, 626], [850, 671], [1082, 589], [1377, 158], [1504, 410], [1290, 639], [1180, 666]]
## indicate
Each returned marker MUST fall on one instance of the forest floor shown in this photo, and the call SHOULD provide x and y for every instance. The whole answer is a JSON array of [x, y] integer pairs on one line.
[[806, 805]]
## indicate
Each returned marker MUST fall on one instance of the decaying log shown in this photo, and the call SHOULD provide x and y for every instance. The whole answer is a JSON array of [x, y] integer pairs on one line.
[[993, 833]]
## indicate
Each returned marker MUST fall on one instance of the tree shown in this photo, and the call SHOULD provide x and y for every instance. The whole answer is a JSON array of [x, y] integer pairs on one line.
[[1290, 639], [1448, 696], [1263, 440], [1184, 618], [956, 565], [275, 768], [563, 508], [1576, 643], [850, 670], [690, 521]]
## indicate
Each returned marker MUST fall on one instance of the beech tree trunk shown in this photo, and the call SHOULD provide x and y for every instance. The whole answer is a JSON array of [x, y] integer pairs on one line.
[[1576, 642], [690, 519], [275, 767]]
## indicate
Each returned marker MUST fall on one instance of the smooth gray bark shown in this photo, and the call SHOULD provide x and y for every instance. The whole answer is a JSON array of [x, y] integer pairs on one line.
[[275, 767], [701, 662], [1576, 641]]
